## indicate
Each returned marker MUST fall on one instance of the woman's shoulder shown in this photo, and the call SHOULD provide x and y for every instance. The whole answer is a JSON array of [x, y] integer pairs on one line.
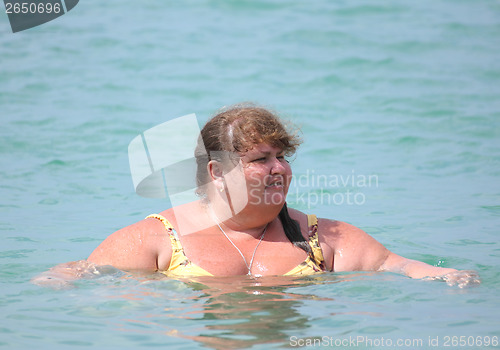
[[328, 229], [136, 246], [182, 216], [160, 217], [334, 232], [325, 225], [149, 224], [337, 227]]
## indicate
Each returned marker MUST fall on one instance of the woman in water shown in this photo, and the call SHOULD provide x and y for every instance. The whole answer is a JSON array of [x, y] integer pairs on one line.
[[241, 224]]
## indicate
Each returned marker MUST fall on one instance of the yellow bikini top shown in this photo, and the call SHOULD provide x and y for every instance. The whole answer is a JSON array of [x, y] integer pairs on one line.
[[181, 266]]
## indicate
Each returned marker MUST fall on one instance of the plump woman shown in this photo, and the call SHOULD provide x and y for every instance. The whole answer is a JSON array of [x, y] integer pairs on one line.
[[241, 224]]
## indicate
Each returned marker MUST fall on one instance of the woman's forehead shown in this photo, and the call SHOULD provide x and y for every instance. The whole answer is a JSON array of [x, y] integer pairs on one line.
[[262, 148]]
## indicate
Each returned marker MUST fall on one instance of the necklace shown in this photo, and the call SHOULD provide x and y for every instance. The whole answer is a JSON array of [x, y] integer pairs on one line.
[[249, 266]]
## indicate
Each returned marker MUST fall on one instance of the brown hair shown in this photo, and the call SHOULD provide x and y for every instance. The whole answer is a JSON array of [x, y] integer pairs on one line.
[[238, 129]]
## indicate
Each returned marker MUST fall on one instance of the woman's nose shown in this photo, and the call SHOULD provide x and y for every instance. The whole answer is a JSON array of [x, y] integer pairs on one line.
[[277, 166]]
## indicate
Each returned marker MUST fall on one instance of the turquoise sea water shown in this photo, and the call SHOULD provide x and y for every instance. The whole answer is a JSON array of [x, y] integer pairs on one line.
[[405, 94]]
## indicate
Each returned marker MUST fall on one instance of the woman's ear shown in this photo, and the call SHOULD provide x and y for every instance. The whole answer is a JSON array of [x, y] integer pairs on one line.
[[216, 173], [214, 169]]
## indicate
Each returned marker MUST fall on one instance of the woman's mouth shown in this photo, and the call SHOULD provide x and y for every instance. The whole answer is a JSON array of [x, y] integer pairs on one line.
[[278, 183]]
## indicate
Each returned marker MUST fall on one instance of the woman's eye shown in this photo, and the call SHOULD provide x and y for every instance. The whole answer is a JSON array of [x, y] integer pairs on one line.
[[264, 159]]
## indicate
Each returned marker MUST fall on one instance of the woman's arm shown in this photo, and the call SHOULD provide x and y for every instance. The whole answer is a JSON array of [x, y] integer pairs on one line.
[[355, 250], [144, 246], [135, 247], [418, 269], [412, 268]]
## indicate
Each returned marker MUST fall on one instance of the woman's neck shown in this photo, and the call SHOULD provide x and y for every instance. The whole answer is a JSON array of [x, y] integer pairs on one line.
[[250, 220]]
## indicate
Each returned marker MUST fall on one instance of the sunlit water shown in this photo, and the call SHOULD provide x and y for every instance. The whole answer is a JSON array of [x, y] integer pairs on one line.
[[403, 93]]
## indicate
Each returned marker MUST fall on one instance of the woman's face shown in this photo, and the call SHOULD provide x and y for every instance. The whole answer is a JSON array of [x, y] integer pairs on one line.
[[262, 177]]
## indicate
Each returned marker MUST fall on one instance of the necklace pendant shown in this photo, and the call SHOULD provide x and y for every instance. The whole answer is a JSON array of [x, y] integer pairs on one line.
[[249, 266]]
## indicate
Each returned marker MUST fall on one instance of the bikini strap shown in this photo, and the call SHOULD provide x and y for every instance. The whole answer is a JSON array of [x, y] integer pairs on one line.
[[317, 253], [176, 243]]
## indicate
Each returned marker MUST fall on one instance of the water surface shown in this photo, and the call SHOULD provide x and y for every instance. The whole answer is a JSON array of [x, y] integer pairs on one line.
[[405, 91]]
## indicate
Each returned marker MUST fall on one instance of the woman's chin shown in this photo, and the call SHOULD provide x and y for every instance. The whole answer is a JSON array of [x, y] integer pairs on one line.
[[275, 198]]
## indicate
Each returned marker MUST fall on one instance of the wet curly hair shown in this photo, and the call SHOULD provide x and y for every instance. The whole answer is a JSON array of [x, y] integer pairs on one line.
[[238, 129]]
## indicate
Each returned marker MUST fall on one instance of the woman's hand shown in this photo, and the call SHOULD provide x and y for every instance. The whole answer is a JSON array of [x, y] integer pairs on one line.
[[61, 276], [418, 269], [461, 278]]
